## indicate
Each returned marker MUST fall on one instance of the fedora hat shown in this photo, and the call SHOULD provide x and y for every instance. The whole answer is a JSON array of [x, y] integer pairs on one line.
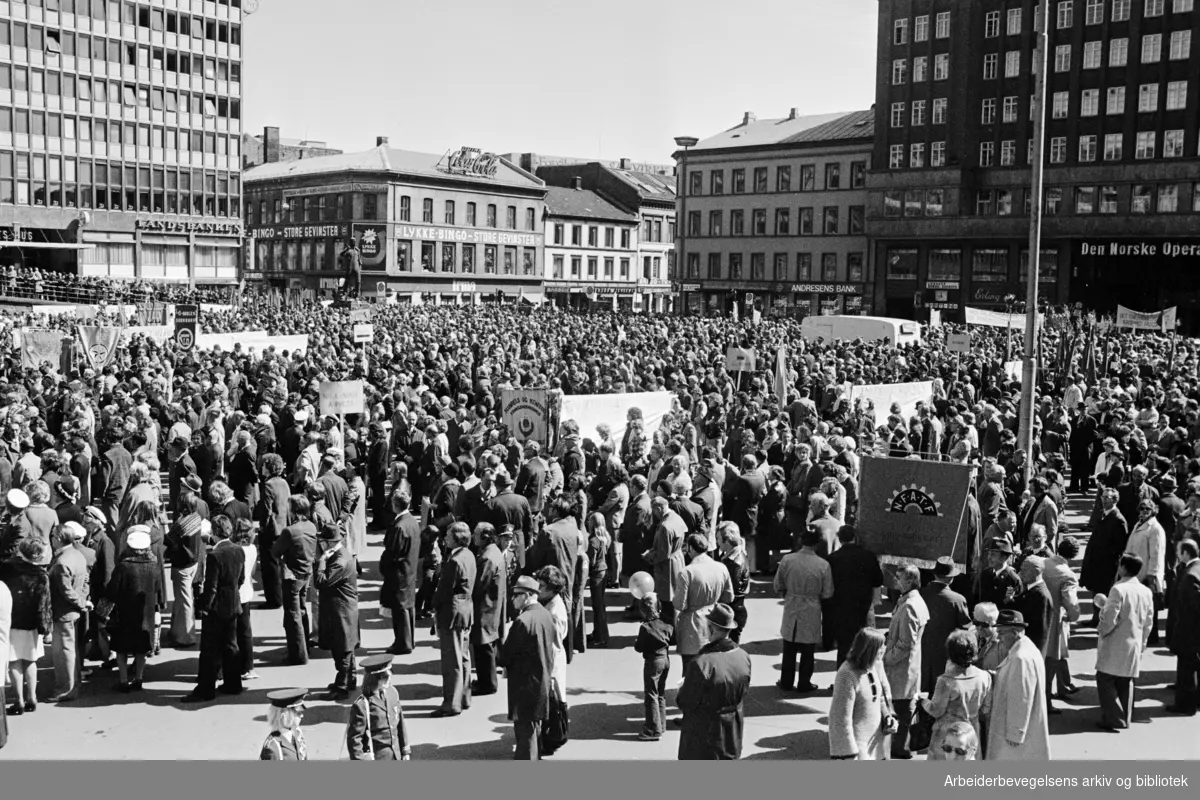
[[945, 567], [721, 616], [1010, 619], [1000, 545]]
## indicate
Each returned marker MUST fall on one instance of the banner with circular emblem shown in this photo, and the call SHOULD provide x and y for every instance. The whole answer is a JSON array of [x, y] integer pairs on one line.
[[187, 319], [527, 414]]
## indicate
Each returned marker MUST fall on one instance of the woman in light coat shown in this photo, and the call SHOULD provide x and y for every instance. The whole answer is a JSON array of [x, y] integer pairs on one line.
[[962, 694], [860, 700]]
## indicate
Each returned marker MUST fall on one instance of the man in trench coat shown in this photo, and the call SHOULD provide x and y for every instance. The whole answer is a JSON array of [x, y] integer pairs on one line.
[[1017, 730], [805, 581], [491, 604], [701, 585], [454, 611], [902, 658], [1126, 619]]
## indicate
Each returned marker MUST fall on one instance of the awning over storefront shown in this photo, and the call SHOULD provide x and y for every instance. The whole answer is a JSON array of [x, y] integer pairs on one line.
[[48, 245]]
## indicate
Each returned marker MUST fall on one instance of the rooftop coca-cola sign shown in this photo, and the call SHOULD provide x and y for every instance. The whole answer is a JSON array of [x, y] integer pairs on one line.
[[472, 161]]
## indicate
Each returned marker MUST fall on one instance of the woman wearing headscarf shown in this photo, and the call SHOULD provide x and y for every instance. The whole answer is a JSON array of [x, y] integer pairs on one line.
[[28, 582]]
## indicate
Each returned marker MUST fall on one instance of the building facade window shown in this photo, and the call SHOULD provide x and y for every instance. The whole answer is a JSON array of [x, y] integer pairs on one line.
[[1120, 10], [1092, 54], [939, 111], [918, 112], [427, 210], [1148, 98], [1145, 144], [921, 28], [830, 227], [1181, 45], [1173, 144], [937, 154], [449, 212], [1089, 103], [1116, 100], [987, 114], [899, 71], [1010, 109], [987, 151], [916, 155], [991, 24], [1152, 48], [1085, 199], [941, 66], [1008, 153], [1118, 52], [1141, 199], [1177, 95], [833, 176], [1014, 22], [920, 70], [1062, 58], [1094, 13], [1108, 199], [760, 180], [716, 182], [783, 179], [900, 31], [895, 156], [1087, 148], [1114, 146], [1065, 14], [942, 29], [990, 62], [1012, 64]]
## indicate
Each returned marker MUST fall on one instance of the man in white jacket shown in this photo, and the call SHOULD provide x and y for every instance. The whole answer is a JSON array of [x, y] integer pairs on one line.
[[1018, 730], [1125, 621]]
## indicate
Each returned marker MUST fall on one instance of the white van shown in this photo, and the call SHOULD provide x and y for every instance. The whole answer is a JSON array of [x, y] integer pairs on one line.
[[847, 328]]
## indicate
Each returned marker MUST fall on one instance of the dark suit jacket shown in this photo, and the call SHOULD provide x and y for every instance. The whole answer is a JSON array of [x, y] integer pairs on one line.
[[490, 597], [558, 546], [1037, 606], [472, 508], [398, 563], [528, 655], [223, 572], [748, 490], [114, 475], [856, 574], [507, 508], [947, 613], [531, 483], [691, 513], [638, 524], [235, 510], [296, 547], [1185, 611], [453, 606], [272, 509]]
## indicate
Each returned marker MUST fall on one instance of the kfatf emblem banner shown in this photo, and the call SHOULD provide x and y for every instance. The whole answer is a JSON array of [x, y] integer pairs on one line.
[[527, 414], [913, 511], [99, 344]]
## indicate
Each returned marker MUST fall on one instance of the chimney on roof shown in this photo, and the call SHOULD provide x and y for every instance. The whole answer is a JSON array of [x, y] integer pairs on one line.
[[381, 141], [577, 183], [793, 114], [626, 163], [749, 118], [270, 145]]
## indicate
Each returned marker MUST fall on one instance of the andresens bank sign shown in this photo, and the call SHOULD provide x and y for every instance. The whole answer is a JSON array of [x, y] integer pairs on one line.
[[1164, 248]]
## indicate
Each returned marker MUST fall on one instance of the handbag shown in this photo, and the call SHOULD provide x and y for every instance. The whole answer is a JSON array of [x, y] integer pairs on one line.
[[920, 729], [556, 728]]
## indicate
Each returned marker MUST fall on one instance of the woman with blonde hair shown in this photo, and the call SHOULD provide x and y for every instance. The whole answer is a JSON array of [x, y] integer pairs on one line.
[[286, 740], [733, 556], [990, 651], [860, 716], [596, 554]]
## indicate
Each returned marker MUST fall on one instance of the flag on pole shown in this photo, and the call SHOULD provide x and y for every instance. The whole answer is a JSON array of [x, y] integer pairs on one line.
[[99, 344], [781, 374]]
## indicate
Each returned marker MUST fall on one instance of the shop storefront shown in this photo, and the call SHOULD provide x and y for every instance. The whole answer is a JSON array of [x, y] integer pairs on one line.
[[916, 278], [1140, 274], [811, 299]]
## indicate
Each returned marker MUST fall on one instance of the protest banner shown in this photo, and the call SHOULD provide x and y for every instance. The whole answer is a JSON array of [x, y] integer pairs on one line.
[[958, 342], [997, 319], [912, 511], [39, 347], [589, 410], [339, 398], [1012, 370], [527, 414], [99, 344], [882, 395], [1146, 320]]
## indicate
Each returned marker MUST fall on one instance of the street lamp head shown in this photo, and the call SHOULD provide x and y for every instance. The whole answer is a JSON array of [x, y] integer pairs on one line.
[[686, 141]]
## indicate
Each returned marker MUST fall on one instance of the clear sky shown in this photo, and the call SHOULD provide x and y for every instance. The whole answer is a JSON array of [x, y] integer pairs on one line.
[[586, 78]]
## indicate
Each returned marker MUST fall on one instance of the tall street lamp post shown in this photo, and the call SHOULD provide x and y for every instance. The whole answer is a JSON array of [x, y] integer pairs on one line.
[[1041, 60], [681, 264]]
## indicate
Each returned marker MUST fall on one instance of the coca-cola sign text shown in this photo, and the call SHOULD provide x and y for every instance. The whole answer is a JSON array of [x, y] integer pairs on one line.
[[472, 161]]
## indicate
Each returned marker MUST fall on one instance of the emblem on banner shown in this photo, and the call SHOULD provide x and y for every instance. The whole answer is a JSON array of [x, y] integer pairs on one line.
[[98, 353], [914, 500]]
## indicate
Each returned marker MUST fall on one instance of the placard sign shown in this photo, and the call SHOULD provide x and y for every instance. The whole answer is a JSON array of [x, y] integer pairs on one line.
[[364, 333], [740, 359], [958, 342], [187, 318], [341, 397]]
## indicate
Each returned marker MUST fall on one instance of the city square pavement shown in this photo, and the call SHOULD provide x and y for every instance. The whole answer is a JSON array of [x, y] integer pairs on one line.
[[604, 688]]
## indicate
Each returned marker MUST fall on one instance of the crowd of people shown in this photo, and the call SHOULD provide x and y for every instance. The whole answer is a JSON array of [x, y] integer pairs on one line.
[[41, 285], [223, 467]]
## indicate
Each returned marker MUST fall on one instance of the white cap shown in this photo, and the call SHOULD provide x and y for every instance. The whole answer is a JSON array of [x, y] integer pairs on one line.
[[18, 499], [138, 538], [301, 416], [75, 529]]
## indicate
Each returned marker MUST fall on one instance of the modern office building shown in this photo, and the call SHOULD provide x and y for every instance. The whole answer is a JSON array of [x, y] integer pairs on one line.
[[773, 212], [650, 196], [120, 138], [949, 195], [431, 228], [591, 251]]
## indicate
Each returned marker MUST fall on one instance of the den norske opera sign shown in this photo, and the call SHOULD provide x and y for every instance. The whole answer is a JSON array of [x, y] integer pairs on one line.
[[1139, 248]]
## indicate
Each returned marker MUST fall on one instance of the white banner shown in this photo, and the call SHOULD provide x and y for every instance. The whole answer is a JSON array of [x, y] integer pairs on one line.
[[998, 319], [216, 307], [1012, 369], [156, 333], [589, 410], [1146, 321], [882, 395]]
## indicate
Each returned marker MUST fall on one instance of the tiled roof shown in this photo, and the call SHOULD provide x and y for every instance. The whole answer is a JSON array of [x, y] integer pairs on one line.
[[583, 204], [781, 131], [856, 125], [380, 159], [650, 186]]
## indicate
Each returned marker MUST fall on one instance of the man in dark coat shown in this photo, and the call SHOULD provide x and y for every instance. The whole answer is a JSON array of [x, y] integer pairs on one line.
[[1185, 627], [454, 611], [113, 477], [1036, 605], [999, 583], [1109, 535], [714, 685], [220, 606], [474, 500], [509, 508], [398, 564], [748, 489], [531, 480], [558, 543], [272, 518], [336, 579], [491, 603], [181, 466], [857, 581], [947, 613], [377, 469], [527, 655]]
